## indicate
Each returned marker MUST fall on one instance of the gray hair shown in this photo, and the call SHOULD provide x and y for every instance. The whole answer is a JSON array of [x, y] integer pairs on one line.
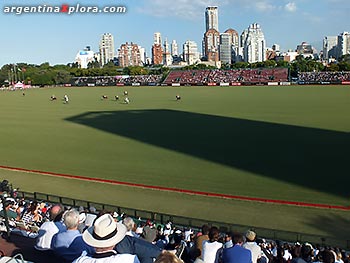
[[129, 223], [71, 219]]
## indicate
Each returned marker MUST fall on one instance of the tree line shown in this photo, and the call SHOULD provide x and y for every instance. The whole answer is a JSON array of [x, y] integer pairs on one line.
[[45, 74]]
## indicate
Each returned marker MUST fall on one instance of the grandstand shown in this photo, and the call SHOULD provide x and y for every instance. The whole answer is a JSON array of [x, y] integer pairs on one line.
[[217, 77]]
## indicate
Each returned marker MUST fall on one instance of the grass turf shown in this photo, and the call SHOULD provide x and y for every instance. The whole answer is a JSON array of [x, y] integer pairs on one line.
[[288, 143]]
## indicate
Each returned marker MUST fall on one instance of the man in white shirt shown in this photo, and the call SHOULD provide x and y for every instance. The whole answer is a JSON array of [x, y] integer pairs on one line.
[[252, 245], [50, 228]]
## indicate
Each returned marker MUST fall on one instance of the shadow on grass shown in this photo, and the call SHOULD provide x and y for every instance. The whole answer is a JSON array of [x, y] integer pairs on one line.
[[314, 158]]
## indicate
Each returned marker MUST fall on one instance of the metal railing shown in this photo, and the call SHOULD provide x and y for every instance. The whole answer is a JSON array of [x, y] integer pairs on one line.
[[194, 223]]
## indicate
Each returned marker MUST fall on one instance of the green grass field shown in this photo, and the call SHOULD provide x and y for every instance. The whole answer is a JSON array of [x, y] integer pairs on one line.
[[286, 143]]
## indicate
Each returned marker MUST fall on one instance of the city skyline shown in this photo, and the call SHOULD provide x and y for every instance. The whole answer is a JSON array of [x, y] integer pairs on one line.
[[56, 38]]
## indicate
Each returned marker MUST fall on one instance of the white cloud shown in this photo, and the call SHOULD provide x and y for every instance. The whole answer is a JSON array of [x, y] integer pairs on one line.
[[290, 7], [264, 6]]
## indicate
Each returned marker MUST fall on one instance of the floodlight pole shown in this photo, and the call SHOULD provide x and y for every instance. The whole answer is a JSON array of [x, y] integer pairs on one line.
[[5, 216]]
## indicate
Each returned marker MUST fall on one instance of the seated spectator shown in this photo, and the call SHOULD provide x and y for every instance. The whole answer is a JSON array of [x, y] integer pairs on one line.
[[104, 235], [236, 253], [211, 246], [130, 226], [69, 244], [32, 214], [149, 234], [10, 213], [49, 229], [252, 245], [144, 250], [202, 237]]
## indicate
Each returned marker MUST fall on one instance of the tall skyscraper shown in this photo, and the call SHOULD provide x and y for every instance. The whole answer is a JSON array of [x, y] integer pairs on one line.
[[157, 38], [330, 47], [211, 43], [343, 44], [254, 44], [106, 48], [225, 48], [234, 44], [174, 48], [211, 38], [157, 50], [211, 18], [167, 58], [129, 55]]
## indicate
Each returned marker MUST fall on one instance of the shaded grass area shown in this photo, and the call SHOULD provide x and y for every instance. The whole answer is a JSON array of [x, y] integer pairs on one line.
[[272, 142], [297, 155]]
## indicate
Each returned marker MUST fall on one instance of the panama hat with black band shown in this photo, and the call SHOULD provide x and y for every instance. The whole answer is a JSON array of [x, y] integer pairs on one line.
[[105, 232]]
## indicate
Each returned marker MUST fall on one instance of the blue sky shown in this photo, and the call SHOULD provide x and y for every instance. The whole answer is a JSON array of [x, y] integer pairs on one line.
[[56, 38]]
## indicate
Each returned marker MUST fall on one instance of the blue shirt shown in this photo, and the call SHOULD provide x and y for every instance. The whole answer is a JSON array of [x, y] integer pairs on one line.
[[69, 245], [236, 254]]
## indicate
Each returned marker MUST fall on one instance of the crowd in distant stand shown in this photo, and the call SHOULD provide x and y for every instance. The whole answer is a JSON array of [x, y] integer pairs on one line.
[[115, 80], [195, 77], [86, 235], [324, 76]]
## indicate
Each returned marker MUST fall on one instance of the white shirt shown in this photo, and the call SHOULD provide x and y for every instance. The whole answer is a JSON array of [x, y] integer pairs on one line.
[[255, 249], [118, 258], [46, 232], [209, 250]]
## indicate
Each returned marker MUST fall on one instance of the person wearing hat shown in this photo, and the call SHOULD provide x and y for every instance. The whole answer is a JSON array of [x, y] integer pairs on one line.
[[252, 245], [103, 236]]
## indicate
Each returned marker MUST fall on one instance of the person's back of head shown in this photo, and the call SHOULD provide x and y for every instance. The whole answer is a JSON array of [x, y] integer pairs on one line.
[[214, 234], [129, 223], [56, 212], [237, 238], [305, 252], [167, 257], [205, 229], [71, 219], [327, 256]]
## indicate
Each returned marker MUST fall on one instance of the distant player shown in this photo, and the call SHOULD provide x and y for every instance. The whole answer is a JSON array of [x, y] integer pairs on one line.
[[125, 93], [104, 97], [178, 97], [116, 97], [53, 97], [126, 100], [66, 99]]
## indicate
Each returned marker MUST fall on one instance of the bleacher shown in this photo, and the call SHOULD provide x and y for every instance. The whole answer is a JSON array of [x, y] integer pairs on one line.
[[217, 76], [22, 237]]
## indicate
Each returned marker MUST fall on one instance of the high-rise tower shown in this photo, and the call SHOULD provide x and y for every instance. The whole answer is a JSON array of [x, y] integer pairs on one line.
[[106, 48], [211, 18], [253, 43]]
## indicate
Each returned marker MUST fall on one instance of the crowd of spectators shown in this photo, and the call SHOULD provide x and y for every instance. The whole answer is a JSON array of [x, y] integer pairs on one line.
[[217, 76], [117, 80], [324, 76], [78, 234]]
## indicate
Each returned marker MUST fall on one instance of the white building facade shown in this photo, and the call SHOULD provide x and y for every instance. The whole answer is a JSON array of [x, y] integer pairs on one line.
[[190, 52], [254, 44], [106, 48], [84, 57], [211, 18]]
